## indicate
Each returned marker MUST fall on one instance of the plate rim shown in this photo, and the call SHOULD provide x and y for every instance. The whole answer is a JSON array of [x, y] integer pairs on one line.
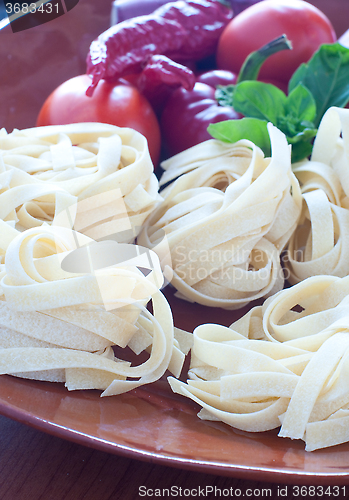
[[250, 473]]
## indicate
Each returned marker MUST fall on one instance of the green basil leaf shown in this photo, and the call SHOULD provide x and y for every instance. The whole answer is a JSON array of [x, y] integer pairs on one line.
[[326, 75], [306, 135], [252, 129], [301, 150], [300, 103], [300, 111], [297, 77], [259, 100]]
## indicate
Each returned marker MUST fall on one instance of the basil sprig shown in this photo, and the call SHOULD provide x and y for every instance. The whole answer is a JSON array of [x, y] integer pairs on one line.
[[314, 87], [326, 75]]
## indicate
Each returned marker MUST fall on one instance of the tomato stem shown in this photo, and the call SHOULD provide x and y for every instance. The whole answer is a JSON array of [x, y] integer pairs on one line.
[[252, 65]]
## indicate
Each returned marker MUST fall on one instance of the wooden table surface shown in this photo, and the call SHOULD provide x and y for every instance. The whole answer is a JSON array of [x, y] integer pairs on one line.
[[35, 465]]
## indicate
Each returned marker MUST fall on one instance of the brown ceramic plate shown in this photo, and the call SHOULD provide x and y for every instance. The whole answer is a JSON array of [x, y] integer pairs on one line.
[[153, 424]]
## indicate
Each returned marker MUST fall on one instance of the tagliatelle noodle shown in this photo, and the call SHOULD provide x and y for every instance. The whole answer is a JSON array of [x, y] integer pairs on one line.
[[65, 330], [226, 217], [320, 244], [285, 363], [47, 171]]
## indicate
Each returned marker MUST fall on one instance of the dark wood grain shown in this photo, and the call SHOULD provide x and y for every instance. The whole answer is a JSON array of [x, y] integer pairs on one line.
[[38, 466]]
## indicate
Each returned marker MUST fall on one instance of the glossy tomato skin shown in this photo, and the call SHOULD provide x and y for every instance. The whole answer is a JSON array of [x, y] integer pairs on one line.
[[305, 25], [118, 104], [187, 115]]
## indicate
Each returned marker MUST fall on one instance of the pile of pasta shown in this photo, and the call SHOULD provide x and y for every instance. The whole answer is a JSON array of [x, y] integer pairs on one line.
[[320, 244], [70, 292], [62, 326], [284, 363], [45, 170], [226, 216]]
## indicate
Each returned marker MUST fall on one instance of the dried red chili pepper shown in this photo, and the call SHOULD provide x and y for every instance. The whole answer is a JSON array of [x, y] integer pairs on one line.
[[181, 30], [162, 69], [160, 77]]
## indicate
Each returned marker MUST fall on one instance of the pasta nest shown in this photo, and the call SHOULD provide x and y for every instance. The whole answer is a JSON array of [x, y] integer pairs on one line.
[[282, 364], [95, 178], [70, 197], [61, 326], [320, 243], [226, 216]]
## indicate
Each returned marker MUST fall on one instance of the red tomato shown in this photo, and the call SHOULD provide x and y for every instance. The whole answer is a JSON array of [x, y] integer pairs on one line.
[[118, 103], [305, 25]]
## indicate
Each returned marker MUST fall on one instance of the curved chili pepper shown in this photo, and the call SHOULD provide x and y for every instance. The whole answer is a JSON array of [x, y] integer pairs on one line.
[[180, 30], [160, 77]]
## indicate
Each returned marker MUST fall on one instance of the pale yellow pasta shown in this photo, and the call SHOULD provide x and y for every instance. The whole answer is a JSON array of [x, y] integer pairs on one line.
[[93, 177], [57, 326], [226, 219], [285, 363], [320, 244], [62, 188]]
